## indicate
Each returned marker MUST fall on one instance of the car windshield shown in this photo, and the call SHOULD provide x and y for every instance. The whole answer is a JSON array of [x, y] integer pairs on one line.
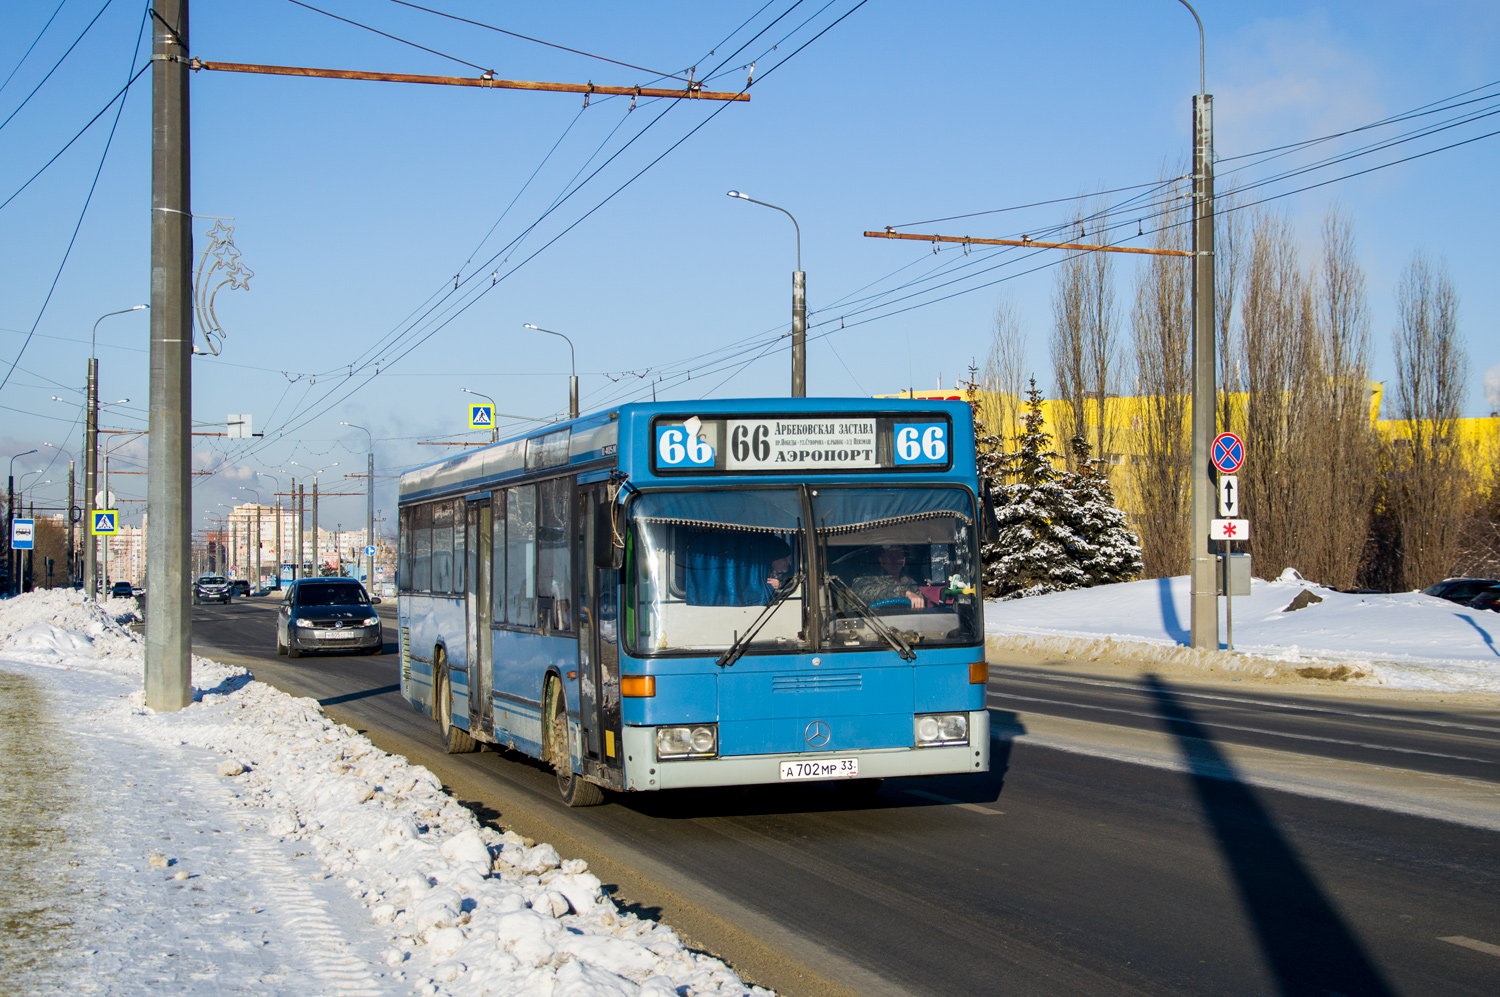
[[211, 580], [332, 594], [711, 570]]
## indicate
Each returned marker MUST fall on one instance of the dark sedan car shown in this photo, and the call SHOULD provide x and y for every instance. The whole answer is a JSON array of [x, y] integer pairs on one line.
[[240, 586], [122, 590], [211, 588], [1460, 590], [328, 614], [1488, 599]]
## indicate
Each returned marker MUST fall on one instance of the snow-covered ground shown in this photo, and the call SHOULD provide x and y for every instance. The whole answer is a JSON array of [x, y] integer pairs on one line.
[[1406, 640], [248, 844]]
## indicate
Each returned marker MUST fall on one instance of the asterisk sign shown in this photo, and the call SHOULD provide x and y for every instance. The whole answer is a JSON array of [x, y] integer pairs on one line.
[[1229, 529]]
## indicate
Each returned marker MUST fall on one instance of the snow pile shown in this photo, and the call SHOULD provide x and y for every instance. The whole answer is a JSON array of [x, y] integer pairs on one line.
[[438, 902], [1406, 640], [470, 910]]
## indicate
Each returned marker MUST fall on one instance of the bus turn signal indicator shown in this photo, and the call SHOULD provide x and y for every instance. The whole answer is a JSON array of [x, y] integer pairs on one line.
[[638, 686], [979, 672]]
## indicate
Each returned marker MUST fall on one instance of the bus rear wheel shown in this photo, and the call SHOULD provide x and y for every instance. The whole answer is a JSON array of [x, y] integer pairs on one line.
[[455, 741], [576, 792]]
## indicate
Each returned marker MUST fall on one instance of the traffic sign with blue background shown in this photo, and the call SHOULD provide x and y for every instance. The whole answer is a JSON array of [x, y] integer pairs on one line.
[[1228, 453], [22, 534], [106, 522], [481, 416]]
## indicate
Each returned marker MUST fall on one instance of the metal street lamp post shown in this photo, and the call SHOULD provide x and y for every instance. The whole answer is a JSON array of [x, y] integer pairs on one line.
[[10, 521], [370, 504], [573, 362], [280, 554], [799, 304], [256, 559], [91, 453]]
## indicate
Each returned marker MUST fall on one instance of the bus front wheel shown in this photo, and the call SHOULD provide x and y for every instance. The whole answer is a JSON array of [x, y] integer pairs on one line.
[[576, 792], [455, 741]]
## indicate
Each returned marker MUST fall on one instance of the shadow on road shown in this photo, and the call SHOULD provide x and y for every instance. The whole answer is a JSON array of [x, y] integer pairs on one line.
[[1307, 946], [349, 697]]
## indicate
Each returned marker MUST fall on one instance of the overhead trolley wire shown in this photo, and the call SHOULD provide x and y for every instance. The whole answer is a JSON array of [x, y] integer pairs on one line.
[[59, 62], [539, 41], [394, 38], [33, 45]]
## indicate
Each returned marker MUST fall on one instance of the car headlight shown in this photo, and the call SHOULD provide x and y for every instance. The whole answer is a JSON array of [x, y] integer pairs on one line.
[[940, 728], [373, 621], [304, 623], [696, 741]]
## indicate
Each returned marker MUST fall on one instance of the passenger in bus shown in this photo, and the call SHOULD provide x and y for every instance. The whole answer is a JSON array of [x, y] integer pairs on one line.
[[890, 581]]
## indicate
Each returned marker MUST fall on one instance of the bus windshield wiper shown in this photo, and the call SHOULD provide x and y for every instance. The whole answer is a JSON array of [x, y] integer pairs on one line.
[[878, 625], [742, 642]]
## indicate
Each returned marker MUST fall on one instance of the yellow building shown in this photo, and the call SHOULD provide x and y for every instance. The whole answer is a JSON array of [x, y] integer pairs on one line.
[[1127, 417]]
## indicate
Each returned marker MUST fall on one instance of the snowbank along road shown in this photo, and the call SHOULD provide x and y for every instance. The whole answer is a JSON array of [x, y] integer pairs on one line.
[[1134, 837]]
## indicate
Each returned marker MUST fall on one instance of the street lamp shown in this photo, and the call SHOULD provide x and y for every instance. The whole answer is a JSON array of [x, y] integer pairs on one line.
[[370, 497], [799, 303], [10, 521], [494, 414], [315, 511], [91, 445], [573, 361], [1204, 611], [280, 554], [72, 501], [256, 493]]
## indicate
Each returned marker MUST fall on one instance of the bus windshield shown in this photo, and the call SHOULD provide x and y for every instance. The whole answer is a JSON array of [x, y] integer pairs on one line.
[[709, 566]]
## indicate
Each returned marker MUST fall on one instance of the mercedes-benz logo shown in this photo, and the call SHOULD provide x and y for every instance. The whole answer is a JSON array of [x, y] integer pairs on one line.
[[817, 734]]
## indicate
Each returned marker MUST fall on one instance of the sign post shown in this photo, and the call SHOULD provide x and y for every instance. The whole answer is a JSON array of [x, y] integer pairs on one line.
[[1228, 453]]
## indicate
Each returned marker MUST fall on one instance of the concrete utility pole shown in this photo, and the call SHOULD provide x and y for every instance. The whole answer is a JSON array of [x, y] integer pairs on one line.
[[317, 568], [91, 477], [1205, 599], [169, 481], [573, 360], [370, 493], [72, 498], [301, 528], [799, 305]]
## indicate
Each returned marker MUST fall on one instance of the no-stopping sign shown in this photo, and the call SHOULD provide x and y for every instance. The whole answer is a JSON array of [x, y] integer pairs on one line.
[[1228, 453]]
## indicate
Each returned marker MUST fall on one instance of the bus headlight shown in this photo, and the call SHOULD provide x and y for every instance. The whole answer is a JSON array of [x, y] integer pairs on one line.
[[940, 728], [696, 741]]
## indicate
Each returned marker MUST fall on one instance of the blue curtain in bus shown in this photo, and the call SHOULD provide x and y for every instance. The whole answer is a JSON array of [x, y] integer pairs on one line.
[[770, 510], [730, 567], [839, 510]]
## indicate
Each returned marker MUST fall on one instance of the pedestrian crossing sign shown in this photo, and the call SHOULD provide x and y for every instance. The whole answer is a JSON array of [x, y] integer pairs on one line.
[[106, 522], [481, 416]]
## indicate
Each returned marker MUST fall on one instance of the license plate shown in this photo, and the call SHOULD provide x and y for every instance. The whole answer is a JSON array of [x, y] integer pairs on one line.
[[338, 634], [821, 768]]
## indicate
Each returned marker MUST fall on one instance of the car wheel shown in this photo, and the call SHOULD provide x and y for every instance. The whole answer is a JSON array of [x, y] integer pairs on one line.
[[292, 650], [575, 791], [455, 741]]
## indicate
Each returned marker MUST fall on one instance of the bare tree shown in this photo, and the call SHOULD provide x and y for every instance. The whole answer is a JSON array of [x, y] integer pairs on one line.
[[1003, 374], [1279, 353], [1229, 268], [1161, 326], [1086, 340], [1337, 422], [1428, 488]]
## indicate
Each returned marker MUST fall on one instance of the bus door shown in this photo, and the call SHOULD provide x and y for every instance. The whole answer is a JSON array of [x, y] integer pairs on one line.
[[598, 643], [477, 616]]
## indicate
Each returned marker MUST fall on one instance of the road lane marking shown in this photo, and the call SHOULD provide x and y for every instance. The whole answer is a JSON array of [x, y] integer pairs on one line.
[[952, 802], [1249, 730], [1470, 943], [1243, 701]]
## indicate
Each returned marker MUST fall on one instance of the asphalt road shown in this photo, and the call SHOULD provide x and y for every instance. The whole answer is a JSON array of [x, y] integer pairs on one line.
[[1055, 873]]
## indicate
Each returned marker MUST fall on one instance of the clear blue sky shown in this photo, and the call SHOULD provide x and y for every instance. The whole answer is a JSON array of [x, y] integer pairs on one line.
[[356, 204]]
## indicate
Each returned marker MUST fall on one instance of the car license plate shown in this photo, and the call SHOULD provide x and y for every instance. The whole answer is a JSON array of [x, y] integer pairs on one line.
[[821, 768], [339, 634]]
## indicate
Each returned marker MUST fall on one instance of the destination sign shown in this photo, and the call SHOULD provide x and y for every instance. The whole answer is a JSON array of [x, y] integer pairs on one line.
[[801, 442], [777, 444]]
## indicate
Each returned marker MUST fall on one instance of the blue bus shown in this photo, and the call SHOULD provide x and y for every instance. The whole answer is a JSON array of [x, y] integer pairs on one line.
[[687, 594]]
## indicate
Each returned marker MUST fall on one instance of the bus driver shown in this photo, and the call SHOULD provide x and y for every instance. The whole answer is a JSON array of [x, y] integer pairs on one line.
[[891, 581]]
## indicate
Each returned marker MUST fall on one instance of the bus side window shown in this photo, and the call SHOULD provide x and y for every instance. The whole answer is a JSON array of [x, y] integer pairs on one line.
[[421, 548], [520, 555], [497, 587], [403, 552], [442, 547], [554, 560]]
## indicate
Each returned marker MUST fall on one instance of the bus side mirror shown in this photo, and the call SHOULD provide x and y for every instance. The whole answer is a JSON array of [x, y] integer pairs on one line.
[[989, 523], [607, 554]]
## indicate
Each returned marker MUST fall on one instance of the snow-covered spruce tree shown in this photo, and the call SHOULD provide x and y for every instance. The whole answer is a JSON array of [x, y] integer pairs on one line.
[[1036, 550], [1114, 551]]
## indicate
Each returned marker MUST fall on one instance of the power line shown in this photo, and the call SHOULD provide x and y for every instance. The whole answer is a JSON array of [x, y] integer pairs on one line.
[[33, 45], [513, 34], [86, 202], [394, 38], [59, 62]]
